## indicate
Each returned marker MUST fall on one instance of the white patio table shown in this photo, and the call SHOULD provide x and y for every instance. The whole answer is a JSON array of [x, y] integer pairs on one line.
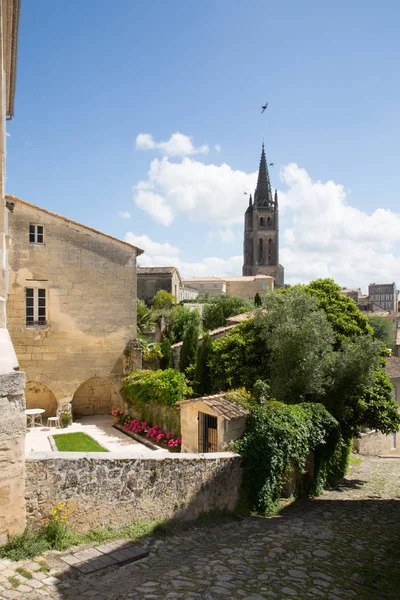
[[34, 416]]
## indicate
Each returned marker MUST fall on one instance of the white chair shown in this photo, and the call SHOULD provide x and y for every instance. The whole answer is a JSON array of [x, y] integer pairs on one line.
[[55, 421]]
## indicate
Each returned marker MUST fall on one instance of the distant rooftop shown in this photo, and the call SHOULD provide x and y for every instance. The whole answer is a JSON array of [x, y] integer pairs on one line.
[[155, 270], [229, 278], [393, 367]]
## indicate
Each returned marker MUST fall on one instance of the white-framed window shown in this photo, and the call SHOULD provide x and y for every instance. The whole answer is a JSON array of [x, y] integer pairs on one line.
[[394, 392], [202, 285], [36, 234], [394, 442], [263, 286], [35, 306], [214, 285]]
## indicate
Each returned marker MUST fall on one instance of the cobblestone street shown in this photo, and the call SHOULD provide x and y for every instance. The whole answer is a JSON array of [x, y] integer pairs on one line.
[[344, 544]]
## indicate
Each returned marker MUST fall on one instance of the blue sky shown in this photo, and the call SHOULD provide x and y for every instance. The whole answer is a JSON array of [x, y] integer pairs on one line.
[[92, 77]]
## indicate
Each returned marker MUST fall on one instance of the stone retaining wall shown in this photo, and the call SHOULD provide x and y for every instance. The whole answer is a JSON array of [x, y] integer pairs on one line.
[[112, 490]]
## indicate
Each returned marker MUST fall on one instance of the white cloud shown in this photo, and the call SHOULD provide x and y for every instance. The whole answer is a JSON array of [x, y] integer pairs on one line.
[[177, 145], [326, 237], [151, 248], [217, 148], [322, 234], [164, 255], [208, 193], [124, 214]]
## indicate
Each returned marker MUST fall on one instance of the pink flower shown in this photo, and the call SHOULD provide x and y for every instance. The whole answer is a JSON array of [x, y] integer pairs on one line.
[[160, 436]]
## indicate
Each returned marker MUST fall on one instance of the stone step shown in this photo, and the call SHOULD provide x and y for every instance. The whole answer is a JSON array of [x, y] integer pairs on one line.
[[103, 556]]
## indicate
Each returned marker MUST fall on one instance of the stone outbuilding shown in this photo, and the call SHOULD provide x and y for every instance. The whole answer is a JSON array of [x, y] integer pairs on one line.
[[210, 423]]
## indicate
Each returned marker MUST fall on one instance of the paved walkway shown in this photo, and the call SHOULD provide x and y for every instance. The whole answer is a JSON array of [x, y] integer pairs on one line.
[[99, 427], [343, 545]]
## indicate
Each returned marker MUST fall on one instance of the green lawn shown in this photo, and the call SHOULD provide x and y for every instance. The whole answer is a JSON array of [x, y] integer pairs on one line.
[[77, 442]]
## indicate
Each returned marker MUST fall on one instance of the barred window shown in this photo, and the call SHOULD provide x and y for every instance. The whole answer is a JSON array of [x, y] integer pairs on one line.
[[36, 234], [35, 306]]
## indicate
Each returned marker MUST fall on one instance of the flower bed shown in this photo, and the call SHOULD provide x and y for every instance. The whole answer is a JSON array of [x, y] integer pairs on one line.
[[154, 433]]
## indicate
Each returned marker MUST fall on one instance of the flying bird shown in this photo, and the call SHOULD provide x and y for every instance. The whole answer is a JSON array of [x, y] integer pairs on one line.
[[270, 164], [264, 107], [245, 193]]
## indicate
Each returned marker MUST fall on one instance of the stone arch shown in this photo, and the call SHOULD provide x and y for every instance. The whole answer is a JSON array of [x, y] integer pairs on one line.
[[269, 222], [260, 250], [262, 221], [39, 395], [95, 396]]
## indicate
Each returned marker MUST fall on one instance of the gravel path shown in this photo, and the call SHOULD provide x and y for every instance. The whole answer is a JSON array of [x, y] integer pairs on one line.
[[344, 544]]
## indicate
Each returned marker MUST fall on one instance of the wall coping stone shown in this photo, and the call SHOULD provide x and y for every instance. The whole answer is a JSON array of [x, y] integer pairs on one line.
[[108, 456]]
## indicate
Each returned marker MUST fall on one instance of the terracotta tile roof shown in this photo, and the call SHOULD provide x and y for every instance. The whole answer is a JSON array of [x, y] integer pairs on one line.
[[155, 270], [14, 199], [393, 367], [229, 409], [223, 279]]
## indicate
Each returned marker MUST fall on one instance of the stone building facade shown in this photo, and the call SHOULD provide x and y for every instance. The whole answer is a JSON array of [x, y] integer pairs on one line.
[[383, 296], [12, 380], [261, 229], [152, 279], [71, 309], [244, 287]]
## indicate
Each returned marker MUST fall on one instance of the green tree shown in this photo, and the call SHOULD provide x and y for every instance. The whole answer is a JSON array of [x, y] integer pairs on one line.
[[342, 312], [309, 354], [202, 375], [221, 308], [166, 361], [383, 329], [299, 340], [188, 354], [213, 316], [178, 319], [145, 317], [257, 300], [163, 300]]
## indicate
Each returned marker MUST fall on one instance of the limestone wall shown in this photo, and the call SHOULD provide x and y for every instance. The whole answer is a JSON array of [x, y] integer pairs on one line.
[[377, 444], [109, 490], [90, 283], [12, 441]]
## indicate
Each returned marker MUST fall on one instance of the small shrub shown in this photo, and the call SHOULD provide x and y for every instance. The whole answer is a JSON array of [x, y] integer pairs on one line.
[[165, 387], [163, 299], [166, 355]]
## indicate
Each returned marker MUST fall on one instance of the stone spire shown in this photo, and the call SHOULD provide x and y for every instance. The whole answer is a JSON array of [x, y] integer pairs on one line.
[[263, 193]]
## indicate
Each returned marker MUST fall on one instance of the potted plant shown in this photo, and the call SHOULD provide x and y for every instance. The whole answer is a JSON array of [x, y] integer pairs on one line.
[[117, 413], [65, 418]]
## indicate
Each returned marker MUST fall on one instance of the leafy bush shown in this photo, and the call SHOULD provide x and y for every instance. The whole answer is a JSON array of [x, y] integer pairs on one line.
[[163, 299], [145, 317], [178, 319], [257, 300], [383, 329], [239, 358], [168, 417], [278, 439], [221, 308], [187, 358], [166, 361], [165, 387]]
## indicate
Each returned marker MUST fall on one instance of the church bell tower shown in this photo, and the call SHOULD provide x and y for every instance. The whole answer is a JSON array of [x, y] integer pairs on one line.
[[261, 229]]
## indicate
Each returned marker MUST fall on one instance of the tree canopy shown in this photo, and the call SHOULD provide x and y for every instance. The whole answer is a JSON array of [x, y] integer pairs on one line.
[[312, 344], [383, 329], [220, 308], [163, 299]]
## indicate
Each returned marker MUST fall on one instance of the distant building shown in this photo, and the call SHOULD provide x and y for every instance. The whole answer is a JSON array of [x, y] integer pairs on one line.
[[261, 230], [186, 292], [354, 294], [150, 280], [244, 287], [383, 296]]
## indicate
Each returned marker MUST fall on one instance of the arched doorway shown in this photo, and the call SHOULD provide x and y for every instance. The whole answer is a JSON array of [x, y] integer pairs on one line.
[[96, 396], [38, 395]]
